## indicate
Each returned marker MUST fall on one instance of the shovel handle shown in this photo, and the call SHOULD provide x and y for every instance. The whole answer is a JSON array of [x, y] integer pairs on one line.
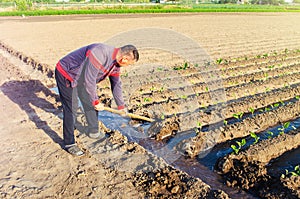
[[131, 115]]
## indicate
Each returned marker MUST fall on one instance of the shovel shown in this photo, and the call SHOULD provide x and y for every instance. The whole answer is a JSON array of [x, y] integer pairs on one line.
[[131, 115]]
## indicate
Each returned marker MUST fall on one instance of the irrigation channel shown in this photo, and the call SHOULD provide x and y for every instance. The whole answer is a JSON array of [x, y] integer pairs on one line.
[[249, 141]]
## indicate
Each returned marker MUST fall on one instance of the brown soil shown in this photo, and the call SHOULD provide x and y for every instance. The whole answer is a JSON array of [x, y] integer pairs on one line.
[[33, 162]]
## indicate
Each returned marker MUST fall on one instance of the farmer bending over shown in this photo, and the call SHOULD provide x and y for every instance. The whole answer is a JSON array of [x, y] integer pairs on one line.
[[76, 76]]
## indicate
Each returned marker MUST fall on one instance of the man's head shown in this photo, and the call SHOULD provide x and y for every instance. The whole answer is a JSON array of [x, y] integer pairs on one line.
[[127, 55]]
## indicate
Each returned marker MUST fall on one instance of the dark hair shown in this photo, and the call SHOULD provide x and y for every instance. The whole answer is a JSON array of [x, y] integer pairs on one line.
[[128, 49]]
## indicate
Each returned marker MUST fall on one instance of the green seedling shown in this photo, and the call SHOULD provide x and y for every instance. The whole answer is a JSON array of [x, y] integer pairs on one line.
[[276, 105], [153, 88], [183, 97], [161, 89], [270, 134], [295, 172], [159, 69], [219, 61], [267, 109], [162, 116], [251, 110], [147, 99], [297, 97], [184, 67], [225, 122], [283, 128], [238, 115], [198, 128], [256, 138], [235, 148]]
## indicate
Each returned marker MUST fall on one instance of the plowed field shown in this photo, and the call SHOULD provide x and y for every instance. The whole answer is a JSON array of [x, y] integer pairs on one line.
[[234, 116]]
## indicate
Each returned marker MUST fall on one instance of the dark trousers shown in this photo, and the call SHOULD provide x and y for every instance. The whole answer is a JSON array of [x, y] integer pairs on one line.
[[69, 98]]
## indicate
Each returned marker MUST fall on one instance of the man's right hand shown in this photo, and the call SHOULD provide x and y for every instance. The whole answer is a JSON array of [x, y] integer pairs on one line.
[[99, 107]]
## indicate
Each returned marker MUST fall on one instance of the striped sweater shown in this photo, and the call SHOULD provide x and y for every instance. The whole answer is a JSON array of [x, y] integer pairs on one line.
[[91, 64]]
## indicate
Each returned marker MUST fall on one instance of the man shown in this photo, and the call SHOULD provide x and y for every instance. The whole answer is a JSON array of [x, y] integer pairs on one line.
[[78, 73]]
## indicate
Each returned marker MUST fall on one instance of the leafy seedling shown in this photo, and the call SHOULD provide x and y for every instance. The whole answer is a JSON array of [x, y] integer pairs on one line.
[[238, 115], [283, 128], [256, 138], [235, 148], [270, 134], [295, 172], [251, 110]]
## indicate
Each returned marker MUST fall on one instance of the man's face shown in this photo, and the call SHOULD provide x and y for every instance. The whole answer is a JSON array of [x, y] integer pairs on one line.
[[126, 60]]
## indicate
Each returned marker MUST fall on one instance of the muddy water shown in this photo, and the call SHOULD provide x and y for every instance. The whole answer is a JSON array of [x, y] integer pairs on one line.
[[165, 150]]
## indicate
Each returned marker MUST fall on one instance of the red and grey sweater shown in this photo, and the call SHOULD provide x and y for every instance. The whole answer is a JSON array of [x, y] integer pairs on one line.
[[90, 65]]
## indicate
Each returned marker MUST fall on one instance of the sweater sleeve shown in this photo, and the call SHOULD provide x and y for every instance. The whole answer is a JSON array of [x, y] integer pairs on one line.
[[92, 70], [116, 87], [90, 82]]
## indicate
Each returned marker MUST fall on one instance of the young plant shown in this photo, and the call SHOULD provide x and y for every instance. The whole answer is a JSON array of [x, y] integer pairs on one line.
[[198, 128], [283, 128], [183, 97], [225, 122], [147, 99], [235, 148], [256, 138], [270, 134], [295, 172], [251, 110], [219, 61], [238, 115]]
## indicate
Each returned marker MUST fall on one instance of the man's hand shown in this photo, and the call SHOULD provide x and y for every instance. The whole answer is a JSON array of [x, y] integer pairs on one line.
[[99, 107], [124, 112]]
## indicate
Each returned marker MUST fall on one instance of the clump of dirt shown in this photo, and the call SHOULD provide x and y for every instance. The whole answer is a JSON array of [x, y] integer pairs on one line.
[[171, 183], [164, 129]]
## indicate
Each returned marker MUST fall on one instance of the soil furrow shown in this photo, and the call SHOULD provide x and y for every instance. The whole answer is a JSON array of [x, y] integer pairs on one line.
[[256, 124], [249, 168], [170, 102], [194, 75]]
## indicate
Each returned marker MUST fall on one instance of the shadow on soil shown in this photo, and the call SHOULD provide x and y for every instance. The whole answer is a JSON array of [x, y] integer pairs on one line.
[[31, 95]]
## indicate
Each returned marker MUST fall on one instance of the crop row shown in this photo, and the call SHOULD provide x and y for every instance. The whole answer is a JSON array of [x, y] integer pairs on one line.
[[249, 169], [170, 102], [256, 124]]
